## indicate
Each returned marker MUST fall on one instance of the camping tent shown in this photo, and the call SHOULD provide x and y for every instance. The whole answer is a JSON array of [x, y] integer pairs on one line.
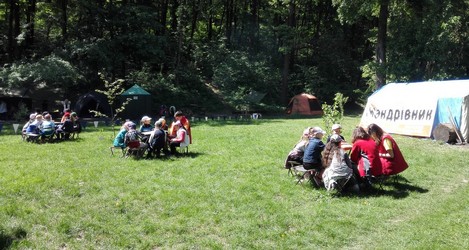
[[92, 101], [304, 104], [139, 105], [417, 108]]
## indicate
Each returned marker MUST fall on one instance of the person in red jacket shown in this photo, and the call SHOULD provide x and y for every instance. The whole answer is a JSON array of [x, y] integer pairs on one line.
[[365, 154], [392, 160]]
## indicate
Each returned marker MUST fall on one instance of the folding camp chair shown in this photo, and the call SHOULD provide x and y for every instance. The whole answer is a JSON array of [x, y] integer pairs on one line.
[[124, 150], [292, 165], [310, 175], [32, 137], [184, 149]]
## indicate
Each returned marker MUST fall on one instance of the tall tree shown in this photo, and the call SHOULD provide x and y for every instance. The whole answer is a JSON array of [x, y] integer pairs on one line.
[[30, 19], [381, 43], [13, 29]]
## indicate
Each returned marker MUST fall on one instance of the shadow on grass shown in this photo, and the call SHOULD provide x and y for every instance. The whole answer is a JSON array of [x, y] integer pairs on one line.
[[168, 157], [397, 187], [7, 240]]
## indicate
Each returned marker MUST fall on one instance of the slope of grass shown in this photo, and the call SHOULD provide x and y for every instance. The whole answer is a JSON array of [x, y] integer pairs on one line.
[[230, 192]]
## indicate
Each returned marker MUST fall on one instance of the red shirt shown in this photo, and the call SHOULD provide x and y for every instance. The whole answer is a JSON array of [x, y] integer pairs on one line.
[[370, 149], [393, 165]]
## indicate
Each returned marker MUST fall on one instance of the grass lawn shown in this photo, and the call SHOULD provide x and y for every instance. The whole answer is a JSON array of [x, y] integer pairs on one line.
[[231, 192]]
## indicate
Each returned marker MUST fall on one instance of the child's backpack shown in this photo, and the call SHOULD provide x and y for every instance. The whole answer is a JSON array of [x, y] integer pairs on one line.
[[132, 139]]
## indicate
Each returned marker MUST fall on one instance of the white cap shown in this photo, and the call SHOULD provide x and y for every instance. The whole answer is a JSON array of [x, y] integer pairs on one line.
[[317, 130], [146, 118], [336, 126]]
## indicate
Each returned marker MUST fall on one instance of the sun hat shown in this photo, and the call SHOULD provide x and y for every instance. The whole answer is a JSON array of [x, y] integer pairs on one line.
[[336, 138], [317, 130], [336, 126], [146, 118], [32, 116]]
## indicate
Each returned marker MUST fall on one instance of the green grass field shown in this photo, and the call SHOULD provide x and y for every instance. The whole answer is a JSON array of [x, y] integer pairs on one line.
[[231, 192]]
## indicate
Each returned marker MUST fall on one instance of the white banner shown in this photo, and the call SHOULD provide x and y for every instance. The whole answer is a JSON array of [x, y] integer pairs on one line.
[[406, 117]]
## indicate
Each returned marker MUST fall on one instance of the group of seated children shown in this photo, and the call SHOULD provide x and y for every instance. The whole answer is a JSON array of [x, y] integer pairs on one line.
[[157, 138], [373, 154], [43, 126]]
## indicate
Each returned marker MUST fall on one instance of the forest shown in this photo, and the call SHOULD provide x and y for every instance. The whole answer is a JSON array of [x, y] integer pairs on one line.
[[232, 55]]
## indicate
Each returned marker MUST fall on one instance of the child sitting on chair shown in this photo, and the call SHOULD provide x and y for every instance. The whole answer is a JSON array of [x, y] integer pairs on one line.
[[339, 173], [133, 138], [296, 154], [312, 156], [182, 139], [119, 140]]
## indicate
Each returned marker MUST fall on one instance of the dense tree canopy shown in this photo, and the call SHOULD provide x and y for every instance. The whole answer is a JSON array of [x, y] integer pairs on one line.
[[207, 53]]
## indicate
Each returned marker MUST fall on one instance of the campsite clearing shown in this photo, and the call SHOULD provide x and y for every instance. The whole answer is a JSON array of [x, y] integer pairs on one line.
[[230, 192]]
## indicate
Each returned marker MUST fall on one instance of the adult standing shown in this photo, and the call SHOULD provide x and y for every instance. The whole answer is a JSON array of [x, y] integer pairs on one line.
[[66, 104], [391, 157], [3, 110]]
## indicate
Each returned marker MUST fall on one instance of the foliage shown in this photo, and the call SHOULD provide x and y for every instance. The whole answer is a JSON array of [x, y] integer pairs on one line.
[[239, 75], [112, 91], [212, 53], [334, 113], [21, 113], [48, 72]]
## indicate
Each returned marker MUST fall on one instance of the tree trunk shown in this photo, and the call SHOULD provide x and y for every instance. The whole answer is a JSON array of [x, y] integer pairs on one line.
[[254, 25], [13, 29], [287, 58], [195, 13], [30, 18], [163, 16], [229, 20], [63, 23], [174, 18], [210, 22], [381, 43], [445, 132]]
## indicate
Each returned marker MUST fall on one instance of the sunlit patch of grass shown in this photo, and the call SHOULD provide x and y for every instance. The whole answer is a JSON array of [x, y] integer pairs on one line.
[[231, 191]]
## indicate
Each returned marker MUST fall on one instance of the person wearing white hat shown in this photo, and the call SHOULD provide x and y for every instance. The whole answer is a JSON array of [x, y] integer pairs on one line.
[[145, 124], [312, 156], [336, 130]]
